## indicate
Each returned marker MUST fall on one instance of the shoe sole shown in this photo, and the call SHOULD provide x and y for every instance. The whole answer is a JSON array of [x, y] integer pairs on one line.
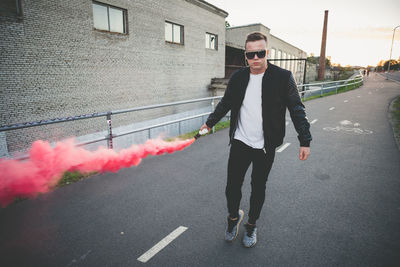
[[249, 246], [238, 224]]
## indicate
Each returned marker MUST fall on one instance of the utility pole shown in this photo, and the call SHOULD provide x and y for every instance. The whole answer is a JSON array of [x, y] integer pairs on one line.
[[390, 57], [321, 70]]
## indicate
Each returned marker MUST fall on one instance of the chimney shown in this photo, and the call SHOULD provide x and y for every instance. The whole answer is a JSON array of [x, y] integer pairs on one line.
[[321, 70]]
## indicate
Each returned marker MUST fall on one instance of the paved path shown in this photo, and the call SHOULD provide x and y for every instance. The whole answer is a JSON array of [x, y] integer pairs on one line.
[[393, 75], [339, 208]]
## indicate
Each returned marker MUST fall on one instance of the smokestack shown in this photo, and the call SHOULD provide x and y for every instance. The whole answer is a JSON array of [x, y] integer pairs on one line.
[[321, 71]]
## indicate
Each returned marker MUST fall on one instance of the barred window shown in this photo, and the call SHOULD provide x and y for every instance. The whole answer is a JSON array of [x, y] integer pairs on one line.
[[109, 18]]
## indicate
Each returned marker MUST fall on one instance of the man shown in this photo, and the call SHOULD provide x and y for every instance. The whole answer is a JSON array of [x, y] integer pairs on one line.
[[257, 97]]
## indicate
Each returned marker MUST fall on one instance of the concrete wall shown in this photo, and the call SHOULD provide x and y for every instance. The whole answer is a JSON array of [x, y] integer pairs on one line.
[[55, 64]]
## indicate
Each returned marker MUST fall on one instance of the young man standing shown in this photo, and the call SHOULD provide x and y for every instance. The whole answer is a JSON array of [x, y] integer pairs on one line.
[[257, 97]]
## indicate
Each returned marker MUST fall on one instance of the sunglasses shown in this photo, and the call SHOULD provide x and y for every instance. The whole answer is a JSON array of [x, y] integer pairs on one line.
[[260, 54]]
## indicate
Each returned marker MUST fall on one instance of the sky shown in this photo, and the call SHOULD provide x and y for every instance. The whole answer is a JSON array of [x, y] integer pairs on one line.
[[359, 32]]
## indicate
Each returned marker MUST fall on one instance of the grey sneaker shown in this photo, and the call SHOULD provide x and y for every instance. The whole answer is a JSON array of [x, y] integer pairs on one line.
[[250, 236], [232, 229]]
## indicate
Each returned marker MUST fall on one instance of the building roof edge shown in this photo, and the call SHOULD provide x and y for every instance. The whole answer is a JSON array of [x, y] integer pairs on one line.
[[248, 25], [209, 7], [288, 43]]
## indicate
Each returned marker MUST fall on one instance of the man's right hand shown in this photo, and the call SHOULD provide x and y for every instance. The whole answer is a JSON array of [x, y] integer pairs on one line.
[[204, 126]]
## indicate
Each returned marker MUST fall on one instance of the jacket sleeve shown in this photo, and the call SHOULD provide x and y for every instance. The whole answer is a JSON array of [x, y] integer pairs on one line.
[[222, 108], [297, 113]]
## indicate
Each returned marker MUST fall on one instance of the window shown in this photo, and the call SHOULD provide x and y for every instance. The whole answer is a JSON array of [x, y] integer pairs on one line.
[[173, 33], [109, 18], [284, 62], [272, 55], [10, 7], [279, 57], [211, 41]]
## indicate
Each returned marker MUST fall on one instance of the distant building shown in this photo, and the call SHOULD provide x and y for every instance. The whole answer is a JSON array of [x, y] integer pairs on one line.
[[279, 49], [71, 57]]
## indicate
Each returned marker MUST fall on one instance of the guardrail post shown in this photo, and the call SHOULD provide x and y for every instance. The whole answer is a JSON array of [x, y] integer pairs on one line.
[[336, 87], [109, 136], [213, 108], [322, 86]]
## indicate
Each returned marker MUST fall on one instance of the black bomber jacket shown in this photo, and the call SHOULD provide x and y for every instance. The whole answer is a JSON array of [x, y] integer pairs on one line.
[[279, 91]]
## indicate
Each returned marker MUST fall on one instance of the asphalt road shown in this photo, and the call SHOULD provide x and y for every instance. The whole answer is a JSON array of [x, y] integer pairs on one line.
[[341, 207]]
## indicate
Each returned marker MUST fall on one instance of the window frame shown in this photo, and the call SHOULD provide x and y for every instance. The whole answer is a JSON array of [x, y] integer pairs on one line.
[[215, 42], [124, 18], [182, 35]]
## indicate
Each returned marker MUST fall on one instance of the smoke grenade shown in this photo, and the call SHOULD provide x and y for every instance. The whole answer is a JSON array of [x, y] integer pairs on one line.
[[201, 133]]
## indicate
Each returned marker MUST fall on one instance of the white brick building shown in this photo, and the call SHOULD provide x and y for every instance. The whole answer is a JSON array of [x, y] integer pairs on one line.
[[71, 57]]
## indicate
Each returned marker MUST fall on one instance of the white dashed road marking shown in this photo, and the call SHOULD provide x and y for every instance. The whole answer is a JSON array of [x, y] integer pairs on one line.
[[332, 108], [358, 96], [346, 101], [314, 121], [282, 147], [162, 244]]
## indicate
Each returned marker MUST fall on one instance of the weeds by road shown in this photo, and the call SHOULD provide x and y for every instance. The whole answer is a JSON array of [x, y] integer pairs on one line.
[[394, 115]]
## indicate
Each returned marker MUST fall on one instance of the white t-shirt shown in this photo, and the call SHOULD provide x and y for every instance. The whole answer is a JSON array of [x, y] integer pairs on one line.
[[250, 124]]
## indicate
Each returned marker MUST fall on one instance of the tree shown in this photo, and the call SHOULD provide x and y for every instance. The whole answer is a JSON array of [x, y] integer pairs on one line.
[[315, 60]]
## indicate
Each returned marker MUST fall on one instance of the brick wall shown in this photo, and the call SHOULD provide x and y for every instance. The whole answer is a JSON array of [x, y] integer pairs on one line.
[[54, 64]]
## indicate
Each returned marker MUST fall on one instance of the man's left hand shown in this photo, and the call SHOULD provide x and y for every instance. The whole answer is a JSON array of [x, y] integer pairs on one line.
[[304, 152]]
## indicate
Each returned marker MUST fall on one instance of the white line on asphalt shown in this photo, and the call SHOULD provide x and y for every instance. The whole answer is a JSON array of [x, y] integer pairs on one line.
[[346, 101], [283, 147], [314, 121], [332, 108], [162, 244], [358, 96]]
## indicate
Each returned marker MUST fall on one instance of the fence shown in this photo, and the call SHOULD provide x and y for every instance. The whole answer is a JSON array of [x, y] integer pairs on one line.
[[313, 89], [307, 90]]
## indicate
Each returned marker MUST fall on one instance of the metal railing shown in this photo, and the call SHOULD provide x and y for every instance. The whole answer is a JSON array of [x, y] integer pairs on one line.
[[109, 137], [328, 86]]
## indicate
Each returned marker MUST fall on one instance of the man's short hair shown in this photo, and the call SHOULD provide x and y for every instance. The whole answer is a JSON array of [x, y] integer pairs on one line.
[[255, 36]]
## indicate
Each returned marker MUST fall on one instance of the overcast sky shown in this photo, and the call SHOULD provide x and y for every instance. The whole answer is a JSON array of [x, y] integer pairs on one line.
[[359, 32]]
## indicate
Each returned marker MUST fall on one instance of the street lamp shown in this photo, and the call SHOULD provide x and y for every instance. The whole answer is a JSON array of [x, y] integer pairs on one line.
[[390, 58]]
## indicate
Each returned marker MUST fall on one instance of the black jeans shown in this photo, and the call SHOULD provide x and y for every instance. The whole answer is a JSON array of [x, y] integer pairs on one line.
[[240, 157]]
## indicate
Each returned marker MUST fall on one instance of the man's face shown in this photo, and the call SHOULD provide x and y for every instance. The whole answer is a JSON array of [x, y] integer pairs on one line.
[[257, 65]]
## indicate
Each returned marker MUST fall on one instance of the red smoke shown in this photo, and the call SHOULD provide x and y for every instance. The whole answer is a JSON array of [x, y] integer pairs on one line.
[[46, 164]]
